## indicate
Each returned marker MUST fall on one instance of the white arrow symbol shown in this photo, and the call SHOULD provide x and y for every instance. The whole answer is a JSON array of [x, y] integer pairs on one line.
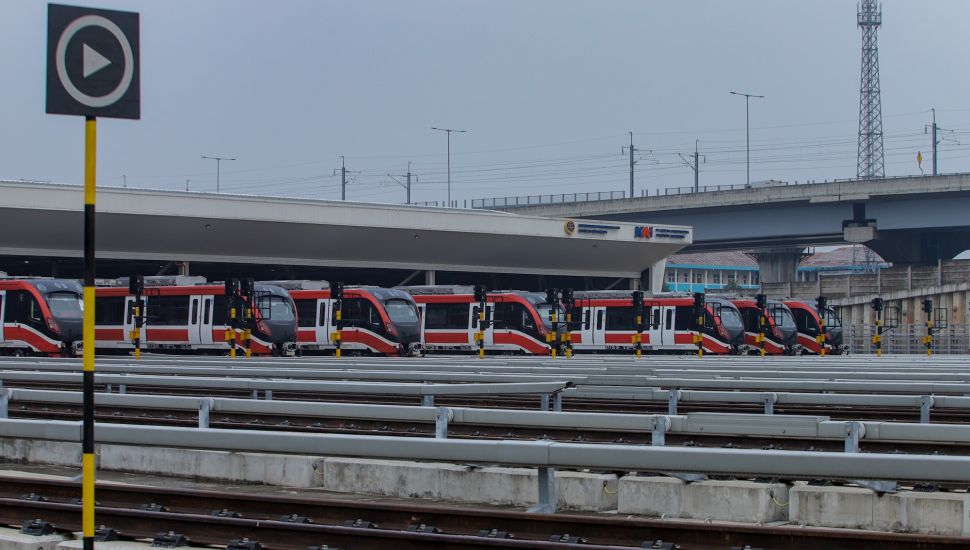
[[93, 61]]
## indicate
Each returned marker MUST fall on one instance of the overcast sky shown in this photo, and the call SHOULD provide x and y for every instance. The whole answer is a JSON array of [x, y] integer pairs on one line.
[[547, 91]]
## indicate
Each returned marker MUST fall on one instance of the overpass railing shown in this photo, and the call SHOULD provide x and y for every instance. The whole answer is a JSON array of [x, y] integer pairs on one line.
[[908, 339], [531, 200]]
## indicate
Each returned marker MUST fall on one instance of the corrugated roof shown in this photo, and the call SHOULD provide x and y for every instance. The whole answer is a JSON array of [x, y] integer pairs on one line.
[[727, 258], [843, 256]]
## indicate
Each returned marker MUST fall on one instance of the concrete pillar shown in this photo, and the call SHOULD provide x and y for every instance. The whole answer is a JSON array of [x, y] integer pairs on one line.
[[652, 279], [778, 265], [183, 268], [429, 277]]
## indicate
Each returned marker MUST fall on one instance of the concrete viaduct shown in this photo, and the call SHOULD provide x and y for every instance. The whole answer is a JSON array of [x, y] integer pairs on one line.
[[907, 221]]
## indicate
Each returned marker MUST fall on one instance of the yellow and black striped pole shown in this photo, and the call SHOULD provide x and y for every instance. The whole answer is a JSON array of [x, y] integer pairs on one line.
[[87, 437]]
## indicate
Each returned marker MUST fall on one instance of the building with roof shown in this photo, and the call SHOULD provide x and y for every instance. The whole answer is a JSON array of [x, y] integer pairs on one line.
[[738, 271]]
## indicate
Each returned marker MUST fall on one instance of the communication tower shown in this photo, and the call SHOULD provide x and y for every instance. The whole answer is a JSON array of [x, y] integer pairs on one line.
[[871, 163]]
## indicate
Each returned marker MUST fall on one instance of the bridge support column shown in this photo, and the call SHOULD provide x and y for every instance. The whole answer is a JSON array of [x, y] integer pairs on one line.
[[183, 268], [429, 277], [778, 265]]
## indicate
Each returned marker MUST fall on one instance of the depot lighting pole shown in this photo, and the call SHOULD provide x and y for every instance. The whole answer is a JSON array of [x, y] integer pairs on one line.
[[218, 163], [747, 127], [449, 131]]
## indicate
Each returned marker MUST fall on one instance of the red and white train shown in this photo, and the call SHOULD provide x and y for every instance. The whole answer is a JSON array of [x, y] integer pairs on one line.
[[781, 334], [602, 321], [187, 314], [374, 320], [809, 324], [449, 317], [40, 316], [607, 323]]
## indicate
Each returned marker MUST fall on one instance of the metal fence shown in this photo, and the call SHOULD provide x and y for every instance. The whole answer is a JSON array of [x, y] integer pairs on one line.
[[562, 198], [908, 338]]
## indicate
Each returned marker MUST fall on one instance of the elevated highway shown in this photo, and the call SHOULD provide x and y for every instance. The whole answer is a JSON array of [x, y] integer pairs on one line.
[[908, 220]]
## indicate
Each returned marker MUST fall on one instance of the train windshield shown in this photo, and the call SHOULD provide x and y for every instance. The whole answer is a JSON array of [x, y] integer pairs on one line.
[[545, 312], [730, 318], [65, 305], [280, 309], [832, 318], [784, 318], [401, 311]]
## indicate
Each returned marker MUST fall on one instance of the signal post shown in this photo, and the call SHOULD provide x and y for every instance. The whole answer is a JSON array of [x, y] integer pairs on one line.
[[637, 296], [877, 337], [82, 44], [820, 304], [761, 302], [699, 321]]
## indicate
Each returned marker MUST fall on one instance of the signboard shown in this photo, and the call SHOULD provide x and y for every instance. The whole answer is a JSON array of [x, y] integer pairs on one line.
[[92, 62]]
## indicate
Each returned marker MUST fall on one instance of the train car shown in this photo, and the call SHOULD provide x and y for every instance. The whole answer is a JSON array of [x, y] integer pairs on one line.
[[189, 315], [606, 323], [375, 321], [808, 321], [450, 320], [40, 316], [781, 336]]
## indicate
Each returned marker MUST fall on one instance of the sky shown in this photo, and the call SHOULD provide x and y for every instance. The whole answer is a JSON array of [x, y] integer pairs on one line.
[[547, 91]]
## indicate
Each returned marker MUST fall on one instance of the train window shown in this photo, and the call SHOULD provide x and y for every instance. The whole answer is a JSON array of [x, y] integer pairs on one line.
[[195, 311], [670, 318], [169, 310], [684, 318], [219, 313], [206, 312], [447, 316], [599, 320], [475, 311], [586, 316], [306, 312], [1, 304], [33, 310], [109, 310], [619, 318], [656, 318], [322, 322]]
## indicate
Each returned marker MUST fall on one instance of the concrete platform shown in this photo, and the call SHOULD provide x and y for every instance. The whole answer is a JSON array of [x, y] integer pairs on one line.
[[934, 513], [736, 501], [13, 539], [270, 469], [459, 483]]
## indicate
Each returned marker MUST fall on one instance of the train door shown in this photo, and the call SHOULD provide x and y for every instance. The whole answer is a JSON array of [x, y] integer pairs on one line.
[[422, 317], [585, 328], [667, 324], [3, 296], [654, 325], [598, 326], [322, 325], [128, 323], [200, 319]]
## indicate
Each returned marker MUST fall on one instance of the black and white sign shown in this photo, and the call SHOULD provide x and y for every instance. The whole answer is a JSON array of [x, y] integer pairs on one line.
[[92, 62]]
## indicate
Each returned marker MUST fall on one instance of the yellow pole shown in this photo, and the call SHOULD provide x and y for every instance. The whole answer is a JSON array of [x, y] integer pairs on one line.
[[87, 440]]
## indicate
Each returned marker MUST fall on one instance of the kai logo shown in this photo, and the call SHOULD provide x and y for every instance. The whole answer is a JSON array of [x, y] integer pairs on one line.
[[643, 232], [569, 227]]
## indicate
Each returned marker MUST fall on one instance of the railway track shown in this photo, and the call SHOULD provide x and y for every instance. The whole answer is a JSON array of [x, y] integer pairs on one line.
[[287, 522]]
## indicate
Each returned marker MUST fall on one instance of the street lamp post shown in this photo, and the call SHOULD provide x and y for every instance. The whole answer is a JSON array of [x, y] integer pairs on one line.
[[747, 128], [218, 163], [449, 131]]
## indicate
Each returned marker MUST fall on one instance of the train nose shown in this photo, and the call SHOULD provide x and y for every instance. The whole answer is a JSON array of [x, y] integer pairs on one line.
[[70, 330]]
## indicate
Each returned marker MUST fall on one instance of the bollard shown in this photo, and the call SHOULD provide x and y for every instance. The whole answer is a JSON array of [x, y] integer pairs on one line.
[[547, 492], [205, 405], [853, 432], [672, 397], [926, 403], [658, 433], [441, 417], [557, 401], [769, 400], [544, 402]]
